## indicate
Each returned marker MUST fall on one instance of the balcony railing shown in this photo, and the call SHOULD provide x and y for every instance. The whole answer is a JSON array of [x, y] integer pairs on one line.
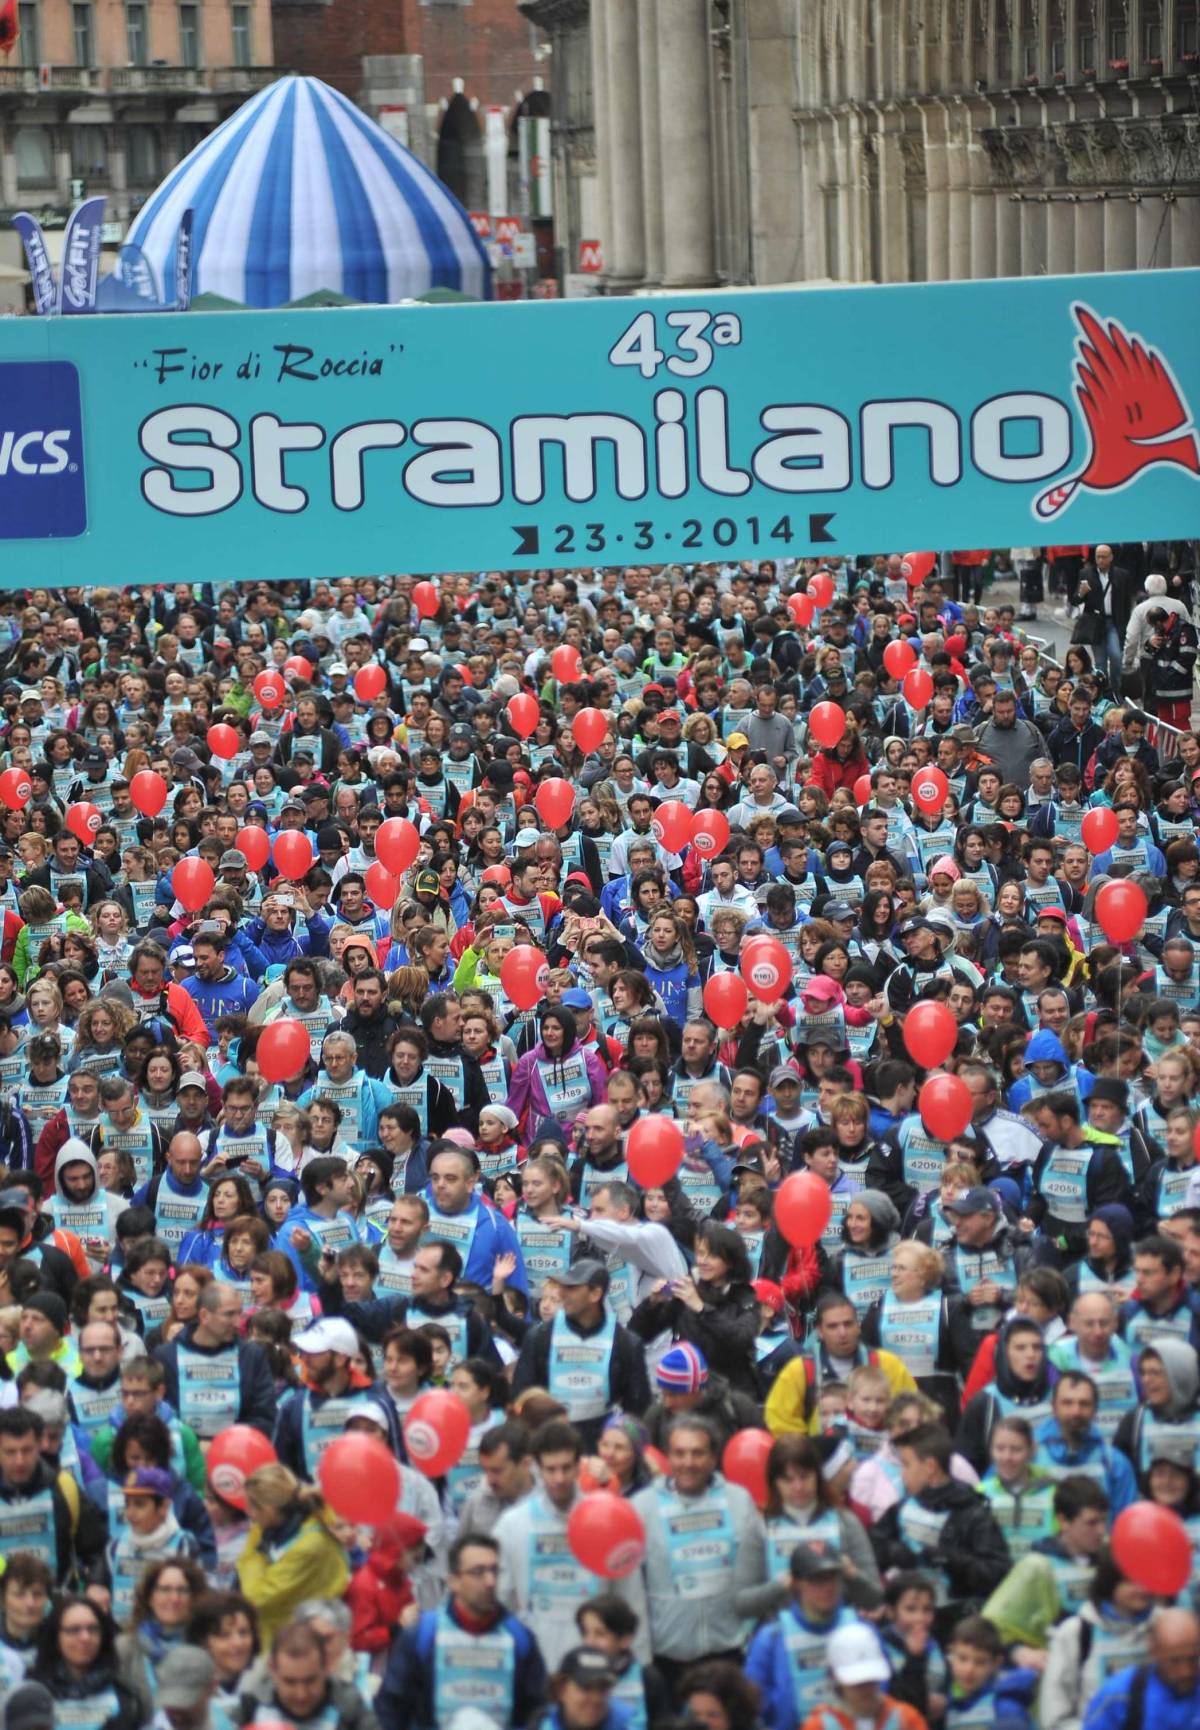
[[243, 80], [157, 79], [27, 80]]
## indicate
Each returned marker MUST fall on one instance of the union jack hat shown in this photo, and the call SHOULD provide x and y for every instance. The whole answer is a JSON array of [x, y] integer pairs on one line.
[[683, 1370]]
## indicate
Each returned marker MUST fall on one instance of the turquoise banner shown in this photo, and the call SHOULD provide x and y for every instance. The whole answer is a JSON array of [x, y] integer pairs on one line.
[[673, 429]]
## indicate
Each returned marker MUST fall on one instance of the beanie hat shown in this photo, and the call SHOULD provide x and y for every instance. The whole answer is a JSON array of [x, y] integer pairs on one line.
[[947, 866], [682, 1370], [767, 1292], [1107, 1087], [50, 1305], [506, 1118], [881, 1208], [29, 1707]]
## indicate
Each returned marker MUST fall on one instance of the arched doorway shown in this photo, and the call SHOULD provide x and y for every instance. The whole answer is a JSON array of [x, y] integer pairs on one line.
[[460, 161]]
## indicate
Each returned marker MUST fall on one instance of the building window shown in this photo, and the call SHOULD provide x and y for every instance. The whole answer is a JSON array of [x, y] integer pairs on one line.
[[1118, 43], [89, 153], [34, 156], [1087, 53], [31, 47], [142, 155], [81, 24], [1189, 36], [136, 44], [1152, 41], [242, 37], [1058, 54], [189, 35]]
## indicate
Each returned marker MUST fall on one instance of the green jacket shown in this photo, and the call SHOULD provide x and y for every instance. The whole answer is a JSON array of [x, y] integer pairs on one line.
[[193, 1459]]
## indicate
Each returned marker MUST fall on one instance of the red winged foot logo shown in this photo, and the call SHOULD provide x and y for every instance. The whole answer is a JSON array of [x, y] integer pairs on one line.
[[1135, 412]]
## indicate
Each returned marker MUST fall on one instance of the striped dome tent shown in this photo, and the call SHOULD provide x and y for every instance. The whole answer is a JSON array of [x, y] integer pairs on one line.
[[299, 190]]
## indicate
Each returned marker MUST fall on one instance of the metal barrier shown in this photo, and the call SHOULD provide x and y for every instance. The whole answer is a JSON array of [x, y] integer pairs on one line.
[[1155, 729]]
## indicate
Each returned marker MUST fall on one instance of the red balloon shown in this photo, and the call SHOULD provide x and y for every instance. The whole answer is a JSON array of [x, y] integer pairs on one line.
[[192, 882], [917, 686], [803, 1208], [1121, 909], [296, 667], [802, 608], [725, 999], [820, 587], [930, 788], [710, 832], [464, 672], [381, 886], [148, 791], [916, 567], [523, 974], [16, 789], [269, 688], [554, 801], [223, 740], [956, 646], [590, 728], [232, 1456], [83, 820], [293, 854], [370, 682], [899, 657], [254, 845], [657, 1460], [1151, 1547], [498, 874], [283, 1050], [1099, 829], [862, 790], [605, 1535], [565, 663], [524, 713], [766, 966], [359, 1478], [945, 1104], [744, 1462], [930, 1034], [436, 1431], [397, 844], [827, 723], [654, 1150], [672, 825], [426, 600]]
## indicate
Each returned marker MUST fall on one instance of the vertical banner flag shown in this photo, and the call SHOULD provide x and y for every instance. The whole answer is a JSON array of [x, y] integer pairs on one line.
[[45, 289], [134, 269], [81, 257], [183, 262]]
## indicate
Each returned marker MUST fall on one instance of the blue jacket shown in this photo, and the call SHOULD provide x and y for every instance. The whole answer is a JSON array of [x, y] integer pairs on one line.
[[276, 947], [232, 994], [1162, 1707], [1119, 1483], [406, 1698], [768, 1667]]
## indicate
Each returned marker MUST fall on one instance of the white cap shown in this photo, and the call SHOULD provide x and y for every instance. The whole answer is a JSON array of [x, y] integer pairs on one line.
[[330, 1334], [855, 1655]]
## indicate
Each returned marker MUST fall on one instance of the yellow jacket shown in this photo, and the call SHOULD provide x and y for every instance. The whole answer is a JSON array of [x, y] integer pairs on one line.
[[312, 1566], [787, 1409]]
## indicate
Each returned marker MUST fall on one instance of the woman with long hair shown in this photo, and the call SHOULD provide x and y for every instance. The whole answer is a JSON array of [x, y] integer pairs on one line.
[[714, 1308], [290, 1552], [163, 1601], [78, 1666], [800, 1509]]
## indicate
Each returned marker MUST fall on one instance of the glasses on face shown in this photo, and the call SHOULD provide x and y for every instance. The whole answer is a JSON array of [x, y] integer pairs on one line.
[[80, 1630], [482, 1572]]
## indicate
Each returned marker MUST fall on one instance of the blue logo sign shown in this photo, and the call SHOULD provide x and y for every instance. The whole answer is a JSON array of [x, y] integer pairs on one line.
[[42, 494]]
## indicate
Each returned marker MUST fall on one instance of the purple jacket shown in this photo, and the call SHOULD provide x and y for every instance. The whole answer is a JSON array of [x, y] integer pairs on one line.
[[577, 1080]]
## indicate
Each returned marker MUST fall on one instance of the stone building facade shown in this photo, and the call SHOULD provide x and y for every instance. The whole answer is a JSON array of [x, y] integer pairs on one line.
[[767, 141]]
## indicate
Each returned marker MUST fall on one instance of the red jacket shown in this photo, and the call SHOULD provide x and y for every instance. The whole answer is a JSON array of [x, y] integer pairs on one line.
[[376, 1596], [828, 772]]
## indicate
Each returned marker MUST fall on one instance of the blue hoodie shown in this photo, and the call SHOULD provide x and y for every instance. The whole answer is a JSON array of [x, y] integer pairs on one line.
[[1046, 1047]]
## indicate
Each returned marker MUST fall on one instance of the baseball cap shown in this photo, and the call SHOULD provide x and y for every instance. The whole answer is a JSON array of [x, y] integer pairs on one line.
[[184, 956], [29, 695], [339, 670], [149, 1481], [586, 1271], [192, 1079], [330, 1334], [232, 860], [781, 1075], [576, 999], [976, 1200], [258, 737], [682, 1370], [462, 731], [854, 1655], [838, 910], [426, 883], [812, 1558], [912, 926], [1055, 913], [736, 740], [291, 805], [526, 838], [587, 1668], [184, 1678]]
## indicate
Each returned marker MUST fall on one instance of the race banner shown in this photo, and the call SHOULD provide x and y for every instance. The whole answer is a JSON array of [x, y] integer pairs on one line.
[[668, 430], [45, 289], [183, 262], [81, 257]]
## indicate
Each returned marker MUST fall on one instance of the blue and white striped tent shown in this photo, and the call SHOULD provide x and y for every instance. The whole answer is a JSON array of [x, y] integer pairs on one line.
[[300, 190]]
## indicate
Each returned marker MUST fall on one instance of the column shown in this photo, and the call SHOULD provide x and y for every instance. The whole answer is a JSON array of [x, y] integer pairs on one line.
[[598, 22], [958, 198], [1185, 231], [937, 199], [1120, 236], [1008, 235], [1089, 236], [1060, 238], [627, 263], [983, 213], [688, 245], [1033, 235], [8, 169], [652, 187], [1153, 227]]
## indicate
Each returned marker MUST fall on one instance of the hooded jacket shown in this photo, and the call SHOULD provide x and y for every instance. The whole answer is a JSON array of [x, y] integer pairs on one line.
[[1046, 1047], [1140, 1433], [76, 1152], [527, 1090], [970, 1549], [1005, 1397]]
